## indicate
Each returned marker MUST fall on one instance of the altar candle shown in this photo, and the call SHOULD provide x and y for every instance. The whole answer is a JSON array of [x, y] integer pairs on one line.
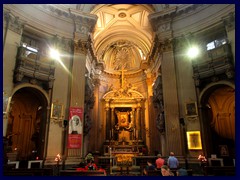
[[137, 134]]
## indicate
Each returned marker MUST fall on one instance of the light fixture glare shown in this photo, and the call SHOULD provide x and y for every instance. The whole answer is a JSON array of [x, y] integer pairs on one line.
[[193, 52]]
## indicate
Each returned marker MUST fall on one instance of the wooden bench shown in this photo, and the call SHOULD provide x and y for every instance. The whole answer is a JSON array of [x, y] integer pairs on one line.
[[28, 172], [81, 173], [158, 172], [219, 170]]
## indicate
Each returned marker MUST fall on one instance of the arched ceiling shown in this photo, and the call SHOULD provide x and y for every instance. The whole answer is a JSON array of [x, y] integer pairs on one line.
[[122, 35]]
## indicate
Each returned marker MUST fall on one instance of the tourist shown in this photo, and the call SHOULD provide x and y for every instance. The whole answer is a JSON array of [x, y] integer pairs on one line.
[[172, 161], [159, 161]]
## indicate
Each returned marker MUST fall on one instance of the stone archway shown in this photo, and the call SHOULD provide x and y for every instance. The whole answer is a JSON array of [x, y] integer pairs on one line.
[[26, 123], [218, 110]]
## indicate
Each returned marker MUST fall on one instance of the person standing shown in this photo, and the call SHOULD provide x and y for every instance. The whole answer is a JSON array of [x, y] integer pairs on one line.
[[159, 161], [172, 161]]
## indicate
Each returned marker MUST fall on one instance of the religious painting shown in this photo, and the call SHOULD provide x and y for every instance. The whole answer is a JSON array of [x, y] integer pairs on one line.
[[194, 140], [223, 149], [57, 110], [191, 109], [123, 119]]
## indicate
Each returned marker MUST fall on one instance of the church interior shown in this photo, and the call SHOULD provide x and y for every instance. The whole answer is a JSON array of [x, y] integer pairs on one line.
[[118, 84]]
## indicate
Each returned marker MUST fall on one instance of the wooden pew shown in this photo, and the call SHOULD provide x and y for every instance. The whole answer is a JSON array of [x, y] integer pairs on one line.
[[81, 173], [219, 170], [28, 172], [158, 172]]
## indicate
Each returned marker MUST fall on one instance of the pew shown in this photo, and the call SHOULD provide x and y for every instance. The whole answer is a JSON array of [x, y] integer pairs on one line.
[[28, 172], [158, 172], [219, 170], [82, 173]]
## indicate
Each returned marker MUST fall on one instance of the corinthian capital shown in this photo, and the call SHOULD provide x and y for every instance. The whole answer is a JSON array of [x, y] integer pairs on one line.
[[229, 21], [84, 23], [81, 46], [14, 23]]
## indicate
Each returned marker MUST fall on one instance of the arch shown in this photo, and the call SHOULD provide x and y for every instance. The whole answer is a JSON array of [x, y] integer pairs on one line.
[[27, 85], [211, 86], [27, 121]]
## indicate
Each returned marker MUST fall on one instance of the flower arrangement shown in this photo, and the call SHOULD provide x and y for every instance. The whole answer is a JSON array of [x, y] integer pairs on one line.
[[89, 157]]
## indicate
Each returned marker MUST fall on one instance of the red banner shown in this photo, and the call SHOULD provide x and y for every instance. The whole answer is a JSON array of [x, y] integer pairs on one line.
[[75, 127]]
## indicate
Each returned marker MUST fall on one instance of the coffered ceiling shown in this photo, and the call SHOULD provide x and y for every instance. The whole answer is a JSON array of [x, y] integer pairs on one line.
[[122, 35]]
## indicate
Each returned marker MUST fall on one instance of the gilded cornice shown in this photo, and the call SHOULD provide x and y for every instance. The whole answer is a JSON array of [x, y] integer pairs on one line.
[[129, 74], [13, 22]]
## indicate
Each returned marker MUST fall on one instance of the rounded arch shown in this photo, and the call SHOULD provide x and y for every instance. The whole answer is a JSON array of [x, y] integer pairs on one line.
[[27, 85], [217, 105], [210, 87], [27, 121]]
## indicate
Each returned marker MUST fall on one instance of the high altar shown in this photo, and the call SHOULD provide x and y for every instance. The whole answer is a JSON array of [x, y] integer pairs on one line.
[[124, 121]]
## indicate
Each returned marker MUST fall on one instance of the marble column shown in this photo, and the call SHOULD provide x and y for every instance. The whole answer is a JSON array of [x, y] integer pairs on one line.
[[162, 24], [112, 123], [108, 124], [138, 122], [83, 25]]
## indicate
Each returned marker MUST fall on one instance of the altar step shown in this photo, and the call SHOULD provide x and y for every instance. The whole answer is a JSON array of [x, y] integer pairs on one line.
[[131, 170]]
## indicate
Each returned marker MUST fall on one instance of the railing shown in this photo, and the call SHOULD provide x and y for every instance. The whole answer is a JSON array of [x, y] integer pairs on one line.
[[33, 65], [215, 62]]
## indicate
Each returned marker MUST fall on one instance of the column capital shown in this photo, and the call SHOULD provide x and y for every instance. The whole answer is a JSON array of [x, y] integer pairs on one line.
[[14, 23], [229, 21], [83, 23], [162, 22]]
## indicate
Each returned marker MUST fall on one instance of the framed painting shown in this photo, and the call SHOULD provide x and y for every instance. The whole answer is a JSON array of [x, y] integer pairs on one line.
[[57, 111], [191, 109], [223, 149], [194, 140]]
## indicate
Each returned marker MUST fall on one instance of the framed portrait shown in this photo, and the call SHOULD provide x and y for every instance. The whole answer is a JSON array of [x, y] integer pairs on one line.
[[223, 149], [191, 109], [194, 140], [123, 118], [57, 111]]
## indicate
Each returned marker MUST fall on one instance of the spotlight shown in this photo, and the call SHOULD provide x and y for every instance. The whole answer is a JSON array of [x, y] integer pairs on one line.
[[54, 54], [193, 52]]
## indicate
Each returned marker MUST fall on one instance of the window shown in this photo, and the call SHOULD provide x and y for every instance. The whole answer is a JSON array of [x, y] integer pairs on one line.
[[216, 43]]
